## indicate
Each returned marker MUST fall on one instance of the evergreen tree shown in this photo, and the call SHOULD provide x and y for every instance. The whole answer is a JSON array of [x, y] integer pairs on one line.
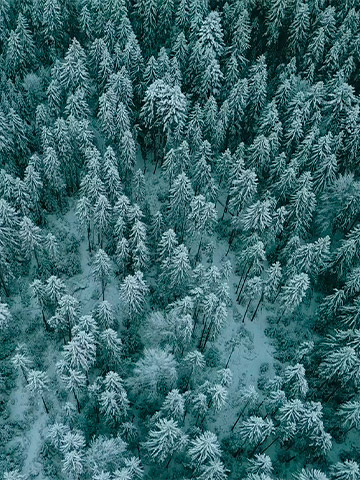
[[102, 269]]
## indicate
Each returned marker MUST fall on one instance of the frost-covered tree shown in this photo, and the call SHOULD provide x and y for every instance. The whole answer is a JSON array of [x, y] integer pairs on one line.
[[293, 292], [164, 440], [102, 269], [204, 448], [37, 384], [346, 470], [155, 373], [133, 291]]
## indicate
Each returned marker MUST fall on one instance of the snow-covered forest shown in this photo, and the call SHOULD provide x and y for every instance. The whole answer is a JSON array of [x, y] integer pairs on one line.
[[179, 239]]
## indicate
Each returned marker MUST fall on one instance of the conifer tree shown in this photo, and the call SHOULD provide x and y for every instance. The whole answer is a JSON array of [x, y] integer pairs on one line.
[[102, 269]]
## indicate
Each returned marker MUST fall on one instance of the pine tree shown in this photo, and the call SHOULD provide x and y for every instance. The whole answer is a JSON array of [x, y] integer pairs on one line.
[[255, 431], [181, 194], [260, 464], [38, 291], [346, 470], [155, 373], [79, 353], [31, 240], [178, 269], [102, 269], [38, 383], [204, 448], [132, 292], [214, 470], [74, 381], [164, 440], [293, 293], [105, 315], [174, 405], [102, 217], [5, 316], [73, 72], [202, 218]]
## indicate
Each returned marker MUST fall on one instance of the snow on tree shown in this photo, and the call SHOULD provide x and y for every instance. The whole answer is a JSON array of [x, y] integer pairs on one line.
[[346, 470], [22, 362], [204, 448], [310, 474], [80, 352], [133, 290], [164, 440], [102, 269], [54, 289], [260, 464], [112, 345], [13, 475], [31, 239], [178, 269], [74, 381], [5, 316], [174, 405], [73, 71], [202, 218], [255, 430], [73, 463], [181, 194], [294, 378], [293, 292], [350, 414], [167, 244], [37, 384], [195, 360], [102, 217], [105, 315], [155, 373], [214, 470]]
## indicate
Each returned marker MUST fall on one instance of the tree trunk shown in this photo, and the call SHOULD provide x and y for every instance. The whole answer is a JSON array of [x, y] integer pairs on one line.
[[202, 336], [77, 402], [240, 415], [349, 430], [46, 325], [247, 308], [207, 336], [45, 406], [103, 289], [171, 456], [25, 376], [244, 282], [189, 378], [332, 393], [257, 446], [89, 237], [36, 258], [226, 206], [257, 307], [228, 360], [270, 444], [198, 251]]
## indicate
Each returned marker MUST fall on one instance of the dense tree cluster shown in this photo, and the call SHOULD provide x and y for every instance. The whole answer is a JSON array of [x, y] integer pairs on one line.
[[169, 170]]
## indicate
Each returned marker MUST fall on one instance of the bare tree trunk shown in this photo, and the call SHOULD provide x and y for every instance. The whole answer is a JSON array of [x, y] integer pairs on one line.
[[257, 308], [240, 415], [45, 406], [270, 444], [77, 402], [247, 308], [228, 360]]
